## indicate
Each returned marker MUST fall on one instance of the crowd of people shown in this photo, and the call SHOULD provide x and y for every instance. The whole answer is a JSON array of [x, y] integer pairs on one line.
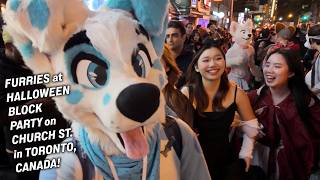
[[282, 106], [268, 130]]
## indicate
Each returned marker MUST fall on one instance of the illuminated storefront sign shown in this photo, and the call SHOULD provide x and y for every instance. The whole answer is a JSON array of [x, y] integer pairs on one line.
[[194, 3]]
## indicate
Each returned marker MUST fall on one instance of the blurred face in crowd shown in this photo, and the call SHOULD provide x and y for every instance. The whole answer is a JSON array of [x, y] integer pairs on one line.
[[213, 28], [313, 44], [211, 64], [189, 29], [196, 37], [175, 39], [276, 71]]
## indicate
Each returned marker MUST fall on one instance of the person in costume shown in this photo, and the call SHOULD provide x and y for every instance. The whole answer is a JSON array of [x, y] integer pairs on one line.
[[215, 100], [289, 113], [283, 38], [111, 60], [240, 57]]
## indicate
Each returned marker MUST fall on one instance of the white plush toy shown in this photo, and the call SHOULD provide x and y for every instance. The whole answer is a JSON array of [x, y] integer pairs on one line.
[[240, 57], [110, 58]]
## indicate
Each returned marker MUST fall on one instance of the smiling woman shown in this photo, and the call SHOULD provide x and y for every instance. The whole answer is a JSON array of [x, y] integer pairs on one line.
[[215, 101], [286, 108]]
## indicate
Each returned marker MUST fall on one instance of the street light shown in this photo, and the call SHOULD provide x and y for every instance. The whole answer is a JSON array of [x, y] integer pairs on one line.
[[305, 18], [290, 15], [280, 18]]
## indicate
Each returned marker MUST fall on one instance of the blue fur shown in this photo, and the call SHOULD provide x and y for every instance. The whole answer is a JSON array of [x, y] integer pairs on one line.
[[39, 13], [96, 4], [26, 50], [157, 65], [74, 97], [71, 53], [106, 99], [119, 4], [125, 168], [14, 4], [161, 80], [149, 13], [158, 41]]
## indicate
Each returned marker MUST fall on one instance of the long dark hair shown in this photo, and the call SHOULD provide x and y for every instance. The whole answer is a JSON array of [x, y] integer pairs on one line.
[[195, 85], [177, 101], [299, 89], [193, 34]]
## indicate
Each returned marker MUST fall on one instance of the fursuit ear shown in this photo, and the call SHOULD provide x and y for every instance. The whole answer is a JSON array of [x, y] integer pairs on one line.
[[38, 62], [40, 27], [249, 23], [119, 4], [152, 15], [46, 23], [233, 27]]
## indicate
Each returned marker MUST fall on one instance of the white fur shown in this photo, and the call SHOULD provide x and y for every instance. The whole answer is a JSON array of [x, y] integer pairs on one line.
[[65, 18], [242, 33], [113, 34], [240, 57], [241, 50], [247, 147], [251, 129]]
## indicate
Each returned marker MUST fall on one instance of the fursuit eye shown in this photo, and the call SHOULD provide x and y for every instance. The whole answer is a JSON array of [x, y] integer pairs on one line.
[[138, 63], [141, 60], [91, 74]]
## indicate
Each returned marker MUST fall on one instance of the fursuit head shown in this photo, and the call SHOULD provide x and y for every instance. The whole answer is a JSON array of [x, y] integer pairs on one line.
[[242, 32], [110, 59], [240, 57]]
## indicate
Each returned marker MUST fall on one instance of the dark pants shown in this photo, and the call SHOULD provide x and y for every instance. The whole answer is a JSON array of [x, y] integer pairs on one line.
[[236, 171]]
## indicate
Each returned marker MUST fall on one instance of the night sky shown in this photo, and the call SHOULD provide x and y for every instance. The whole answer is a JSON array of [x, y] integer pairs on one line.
[[292, 6]]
